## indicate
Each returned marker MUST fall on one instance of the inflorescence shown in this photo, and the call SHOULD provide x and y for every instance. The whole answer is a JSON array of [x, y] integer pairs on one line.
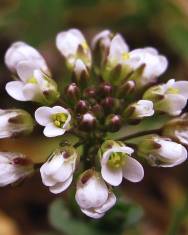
[[105, 90]]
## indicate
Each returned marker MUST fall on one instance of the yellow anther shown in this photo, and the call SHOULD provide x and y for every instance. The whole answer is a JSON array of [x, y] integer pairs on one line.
[[59, 119], [84, 45], [32, 80], [125, 55], [172, 90], [117, 160]]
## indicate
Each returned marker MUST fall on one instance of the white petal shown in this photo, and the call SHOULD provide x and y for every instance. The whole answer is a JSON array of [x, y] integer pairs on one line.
[[60, 187], [91, 213], [53, 165], [52, 131], [112, 176], [100, 36], [92, 193], [15, 90], [47, 180], [25, 70], [64, 172], [32, 92], [111, 201], [175, 104], [133, 170], [43, 115], [182, 86]]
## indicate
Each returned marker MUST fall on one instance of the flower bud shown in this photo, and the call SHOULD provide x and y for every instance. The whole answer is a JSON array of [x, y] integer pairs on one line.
[[82, 106], [110, 104], [14, 122], [57, 172], [93, 195], [88, 121], [113, 122], [97, 110], [34, 85], [80, 72], [13, 167], [73, 46], [161, 152], [177, 129], [20, 51], [73, 92], [126, 89], [169, 98], [139, 110], [105, 90]]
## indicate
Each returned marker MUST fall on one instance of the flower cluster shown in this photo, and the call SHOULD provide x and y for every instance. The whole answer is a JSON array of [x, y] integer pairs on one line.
[[106, 90]]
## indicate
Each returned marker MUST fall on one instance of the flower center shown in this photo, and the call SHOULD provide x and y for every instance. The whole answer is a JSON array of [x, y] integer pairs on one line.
[[32, 80], [125, 55], [59, 119], [84, 45], [117, 160], [172, 90]]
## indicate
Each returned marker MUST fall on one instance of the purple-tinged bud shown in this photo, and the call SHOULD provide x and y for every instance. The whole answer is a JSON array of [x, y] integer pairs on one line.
[[73, 92], [126, 88], [88, 121], [105, 90], [97, 110], [113, 122], [110, 104], [82, 106]]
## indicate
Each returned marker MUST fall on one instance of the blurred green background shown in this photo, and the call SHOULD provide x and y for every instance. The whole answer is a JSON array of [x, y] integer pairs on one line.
[[159, 204]]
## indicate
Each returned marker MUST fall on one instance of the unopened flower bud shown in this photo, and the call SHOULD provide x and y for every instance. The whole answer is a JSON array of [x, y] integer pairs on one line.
[[19, 52], [93, 195], [81, 72], [177, 129], [161, 152], [82, 106], [105, 90], [14, 167], [73, 92], [113, 122], [88, 121], [126, 89], [14, 122], [57, 172], [97, 110], [139, 110], [110, 104]]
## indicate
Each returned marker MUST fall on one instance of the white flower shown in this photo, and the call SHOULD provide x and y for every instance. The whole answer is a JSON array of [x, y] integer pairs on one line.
[[13, 167], [118, 51], [57, 172], [154, 64], [162, 152], [20, 51], [177, 129], [15, 122], [56, 120], [116, 163], [104, 38], [34, 85], [93, 195], [172, 96], [140, 109], [73, 46]]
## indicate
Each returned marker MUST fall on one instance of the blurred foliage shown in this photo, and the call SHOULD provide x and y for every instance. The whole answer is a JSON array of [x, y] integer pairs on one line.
[[123, 216]]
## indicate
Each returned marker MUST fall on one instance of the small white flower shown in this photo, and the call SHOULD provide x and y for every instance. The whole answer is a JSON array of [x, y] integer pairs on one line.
[[68, 43], [34, 85], [103, 38], [118, 51], [56, 120], [177, 129], [15, 122], [141, 109], [13, 167], [57, 172], [20, 51], [154, 64], [172, 96], [162, 152], [93, 195], [80, 69], [116, 163]]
